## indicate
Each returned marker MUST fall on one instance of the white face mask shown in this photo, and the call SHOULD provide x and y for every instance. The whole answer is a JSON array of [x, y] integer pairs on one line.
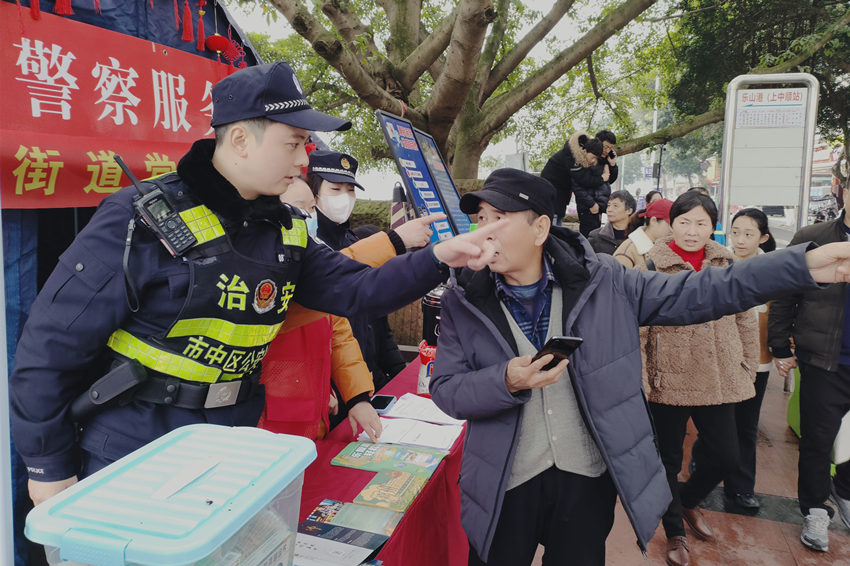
[[338, 207]]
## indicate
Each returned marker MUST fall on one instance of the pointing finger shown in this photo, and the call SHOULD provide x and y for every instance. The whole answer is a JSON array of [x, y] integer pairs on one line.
[[430, 218]]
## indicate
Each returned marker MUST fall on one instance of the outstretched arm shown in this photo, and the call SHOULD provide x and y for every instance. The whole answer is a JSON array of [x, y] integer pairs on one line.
[[690, 298]]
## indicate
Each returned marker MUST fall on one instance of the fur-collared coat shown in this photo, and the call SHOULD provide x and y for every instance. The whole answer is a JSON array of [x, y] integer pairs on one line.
[[587, 183], [700, 364]]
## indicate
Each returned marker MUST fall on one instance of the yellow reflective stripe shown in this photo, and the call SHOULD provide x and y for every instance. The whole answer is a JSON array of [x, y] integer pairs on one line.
[[203, 223], [162, 361], [297, 235], [226, 332]]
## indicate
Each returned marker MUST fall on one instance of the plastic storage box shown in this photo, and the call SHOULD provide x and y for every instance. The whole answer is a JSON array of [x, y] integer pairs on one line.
[[200, 495]]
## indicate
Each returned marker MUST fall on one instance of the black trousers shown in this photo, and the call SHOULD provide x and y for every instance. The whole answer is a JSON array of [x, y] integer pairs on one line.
[[719, 437], [743, 478], [569, 514], [587, 222], [824, 400]]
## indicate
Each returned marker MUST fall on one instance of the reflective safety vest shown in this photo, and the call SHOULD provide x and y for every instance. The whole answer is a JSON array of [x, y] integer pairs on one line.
[[233, 309]]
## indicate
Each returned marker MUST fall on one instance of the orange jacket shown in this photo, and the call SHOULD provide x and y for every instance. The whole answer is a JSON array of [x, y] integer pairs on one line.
[[311, 349]]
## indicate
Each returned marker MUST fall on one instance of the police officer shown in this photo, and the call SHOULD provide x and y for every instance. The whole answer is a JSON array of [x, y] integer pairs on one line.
[[183, 283]]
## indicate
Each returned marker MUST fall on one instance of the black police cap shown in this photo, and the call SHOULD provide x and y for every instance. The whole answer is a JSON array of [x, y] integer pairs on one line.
[[269, 91], [333, 166]]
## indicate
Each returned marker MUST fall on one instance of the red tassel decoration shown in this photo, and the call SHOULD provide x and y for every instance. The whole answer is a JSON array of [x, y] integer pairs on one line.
[[151, 4], [63, 8], [97, 6], [35, 9], [188, 32], [201, 39], [176, 16]]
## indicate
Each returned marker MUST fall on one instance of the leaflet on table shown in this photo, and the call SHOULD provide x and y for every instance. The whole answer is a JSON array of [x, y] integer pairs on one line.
[[411, 406], [317, 551], [354, 516], [387, 457], [416, 433], [391, 490]]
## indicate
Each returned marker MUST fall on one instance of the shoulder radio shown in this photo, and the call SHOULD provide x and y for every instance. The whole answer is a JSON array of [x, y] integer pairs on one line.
[[160, 215]]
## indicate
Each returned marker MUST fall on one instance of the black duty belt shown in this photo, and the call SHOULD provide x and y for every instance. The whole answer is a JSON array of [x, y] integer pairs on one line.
[[175, 392]]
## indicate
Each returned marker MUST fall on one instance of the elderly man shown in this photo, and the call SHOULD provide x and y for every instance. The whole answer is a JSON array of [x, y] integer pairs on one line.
[[548, 451]]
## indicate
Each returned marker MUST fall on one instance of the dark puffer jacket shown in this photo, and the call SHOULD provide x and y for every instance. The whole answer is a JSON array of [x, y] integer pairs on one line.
[[475, 346], [587, 183], [815, 318]]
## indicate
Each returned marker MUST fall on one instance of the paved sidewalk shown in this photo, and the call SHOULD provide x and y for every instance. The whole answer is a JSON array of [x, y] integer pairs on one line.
[[771, 538]]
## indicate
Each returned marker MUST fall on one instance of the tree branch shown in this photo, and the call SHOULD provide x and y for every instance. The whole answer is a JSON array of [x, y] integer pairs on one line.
[[427, 52], [494, 41], [341, 101], [350, 28], [806, 54], [716, 115], [515, 56], [436, 68], [592, 75], [671, 132], [497, 111], [452, 87], [329, 47]]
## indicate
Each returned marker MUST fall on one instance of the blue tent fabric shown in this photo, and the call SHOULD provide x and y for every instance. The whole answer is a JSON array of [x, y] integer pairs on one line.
[[20, 238], [156, 24]]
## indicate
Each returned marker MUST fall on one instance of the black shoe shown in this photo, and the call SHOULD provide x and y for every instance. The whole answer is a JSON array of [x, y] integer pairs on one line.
[[746, 502]]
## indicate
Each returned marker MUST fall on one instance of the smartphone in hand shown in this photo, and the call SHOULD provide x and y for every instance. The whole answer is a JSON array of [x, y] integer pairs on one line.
[[559, 346]]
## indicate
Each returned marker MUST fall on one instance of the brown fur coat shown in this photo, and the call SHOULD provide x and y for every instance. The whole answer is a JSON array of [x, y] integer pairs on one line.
[[700, 364]]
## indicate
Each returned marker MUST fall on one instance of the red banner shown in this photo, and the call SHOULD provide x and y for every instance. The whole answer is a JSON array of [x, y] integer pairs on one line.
[[73, 95]]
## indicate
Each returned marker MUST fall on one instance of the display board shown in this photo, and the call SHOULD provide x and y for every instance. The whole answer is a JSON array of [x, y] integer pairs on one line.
[[427, 195]]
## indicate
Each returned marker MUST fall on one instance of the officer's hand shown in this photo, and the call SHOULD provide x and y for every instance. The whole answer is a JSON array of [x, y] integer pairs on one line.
[[364, 414], [785, 365], [333, 404], [522, 373], [830, 263], [417, 233], [43, 490], [595, 208], [473, 250]]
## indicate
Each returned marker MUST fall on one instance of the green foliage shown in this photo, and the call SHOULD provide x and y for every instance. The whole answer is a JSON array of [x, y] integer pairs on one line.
[[716, 42], [375, 212]]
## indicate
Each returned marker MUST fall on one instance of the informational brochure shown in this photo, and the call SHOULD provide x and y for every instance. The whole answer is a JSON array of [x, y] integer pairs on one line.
[[388, 457], [411, 406], [355, 516], [346, 535], [391, 490], [416, 433], [317, 551]]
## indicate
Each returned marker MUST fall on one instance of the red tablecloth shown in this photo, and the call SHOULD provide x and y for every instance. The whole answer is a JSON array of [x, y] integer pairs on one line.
[[429, 534]]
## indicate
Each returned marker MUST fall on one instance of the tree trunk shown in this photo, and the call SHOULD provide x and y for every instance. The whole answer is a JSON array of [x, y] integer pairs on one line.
[[467, 154]]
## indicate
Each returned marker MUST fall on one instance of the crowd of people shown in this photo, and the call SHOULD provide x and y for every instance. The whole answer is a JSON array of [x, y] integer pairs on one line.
[[275, 317]]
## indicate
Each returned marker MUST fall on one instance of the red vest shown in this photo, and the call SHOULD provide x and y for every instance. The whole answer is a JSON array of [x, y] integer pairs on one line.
[[297, 376]]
